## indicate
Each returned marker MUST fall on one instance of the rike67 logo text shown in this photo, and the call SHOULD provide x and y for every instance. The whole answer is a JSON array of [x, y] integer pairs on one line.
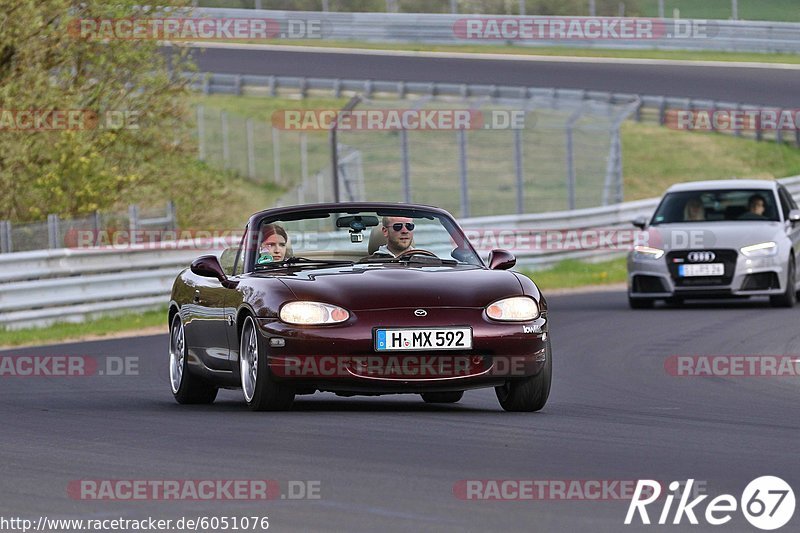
[[767, 503]]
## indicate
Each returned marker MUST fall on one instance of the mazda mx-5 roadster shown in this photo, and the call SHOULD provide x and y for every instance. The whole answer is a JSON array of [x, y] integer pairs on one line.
[[357, 299]]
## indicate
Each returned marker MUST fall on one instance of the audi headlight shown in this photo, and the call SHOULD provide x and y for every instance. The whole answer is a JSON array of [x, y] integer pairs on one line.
[[762, 249], [645, 252], [514, 309], [312, 313]]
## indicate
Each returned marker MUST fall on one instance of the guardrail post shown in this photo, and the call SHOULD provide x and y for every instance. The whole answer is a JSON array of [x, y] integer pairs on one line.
[[96, 225], [5, 237], [251, 155], [518, 170], [662, 111], [592, 8], [571, 159], [172, 215], [53, 231], [258, 4], [522, 8], [237, 84], [304, 88], [405, 166], [454, 6], [133, 218], [272, 86], [226, 148], [462, 171], [797, 137]]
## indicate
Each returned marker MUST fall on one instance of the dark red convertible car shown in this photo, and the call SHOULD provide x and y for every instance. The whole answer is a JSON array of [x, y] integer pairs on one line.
[[357, 298]]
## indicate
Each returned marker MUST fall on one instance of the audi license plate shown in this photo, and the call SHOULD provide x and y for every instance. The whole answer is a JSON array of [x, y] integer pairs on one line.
[[423, 339], [705, 269]]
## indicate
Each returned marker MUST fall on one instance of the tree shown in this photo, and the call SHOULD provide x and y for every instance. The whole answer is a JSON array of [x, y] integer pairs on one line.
[[121, 107]]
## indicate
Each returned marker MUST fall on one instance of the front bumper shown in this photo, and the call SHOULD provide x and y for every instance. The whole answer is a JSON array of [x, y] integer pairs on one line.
[[656, 278], [342, 358]]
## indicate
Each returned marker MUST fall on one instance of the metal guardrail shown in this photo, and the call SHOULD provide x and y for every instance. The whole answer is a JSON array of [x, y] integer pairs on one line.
[[429, 28], [42, 287], [651, 108]]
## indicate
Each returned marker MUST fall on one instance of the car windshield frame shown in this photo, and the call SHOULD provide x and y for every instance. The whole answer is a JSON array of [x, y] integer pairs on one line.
[[675, 208], [316, 212]]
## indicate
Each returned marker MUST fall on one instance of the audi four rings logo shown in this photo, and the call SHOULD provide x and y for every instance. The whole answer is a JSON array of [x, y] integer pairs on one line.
[[421, 312], [701, 257]]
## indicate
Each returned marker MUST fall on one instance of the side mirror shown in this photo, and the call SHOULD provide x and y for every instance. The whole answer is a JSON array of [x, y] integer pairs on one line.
[[794, 216], [208, 266], [501, 260], [640, 222]]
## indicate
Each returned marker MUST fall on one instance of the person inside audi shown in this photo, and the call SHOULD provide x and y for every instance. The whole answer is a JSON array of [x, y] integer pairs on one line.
[[399, 233], [756, 206], [273, 246], [694, 209]]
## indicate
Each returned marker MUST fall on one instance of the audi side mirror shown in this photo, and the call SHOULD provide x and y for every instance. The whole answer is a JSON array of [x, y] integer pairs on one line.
[[640, 222]]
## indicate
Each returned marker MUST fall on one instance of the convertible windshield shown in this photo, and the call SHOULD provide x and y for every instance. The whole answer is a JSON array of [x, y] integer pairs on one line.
[[717, 206], [314, 238]]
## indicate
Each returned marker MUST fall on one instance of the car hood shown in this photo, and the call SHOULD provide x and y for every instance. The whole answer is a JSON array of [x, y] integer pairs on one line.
[[717, 235], [391, 286]]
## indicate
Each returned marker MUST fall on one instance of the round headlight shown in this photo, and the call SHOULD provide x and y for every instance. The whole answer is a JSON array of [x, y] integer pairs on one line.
[[312, 313], [514, 309]]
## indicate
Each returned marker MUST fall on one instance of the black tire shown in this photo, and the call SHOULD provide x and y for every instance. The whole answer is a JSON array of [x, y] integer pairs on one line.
[[641, 303], [442, 397], [186, 387], [789, 296], [261, 391], [531, 393]]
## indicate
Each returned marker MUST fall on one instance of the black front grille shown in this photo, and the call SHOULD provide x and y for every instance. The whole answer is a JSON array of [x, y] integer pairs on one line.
[[761, 282], [648, 284], [726, 257]]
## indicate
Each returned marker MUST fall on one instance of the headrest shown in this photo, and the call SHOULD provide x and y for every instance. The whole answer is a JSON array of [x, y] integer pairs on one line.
[[376, 239]]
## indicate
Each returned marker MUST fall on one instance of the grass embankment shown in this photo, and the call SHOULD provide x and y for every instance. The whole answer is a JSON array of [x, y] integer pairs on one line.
[[554, 51], [106, 326]]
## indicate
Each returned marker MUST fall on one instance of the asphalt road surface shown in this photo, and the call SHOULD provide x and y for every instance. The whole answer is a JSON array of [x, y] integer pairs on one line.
[[391, 463], [759, 86]]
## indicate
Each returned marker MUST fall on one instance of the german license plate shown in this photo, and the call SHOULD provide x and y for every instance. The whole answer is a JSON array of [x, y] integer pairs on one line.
[[423, 339], [705, 269]]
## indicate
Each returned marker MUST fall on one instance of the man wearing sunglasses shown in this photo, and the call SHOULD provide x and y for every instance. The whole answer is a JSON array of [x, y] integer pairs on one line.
[[399, 233]]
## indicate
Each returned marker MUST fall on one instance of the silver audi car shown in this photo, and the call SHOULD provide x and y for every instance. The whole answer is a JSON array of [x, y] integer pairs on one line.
[[716, 239]]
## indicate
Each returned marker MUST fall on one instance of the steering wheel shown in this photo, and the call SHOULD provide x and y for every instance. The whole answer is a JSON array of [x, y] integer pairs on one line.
[[412, 251]]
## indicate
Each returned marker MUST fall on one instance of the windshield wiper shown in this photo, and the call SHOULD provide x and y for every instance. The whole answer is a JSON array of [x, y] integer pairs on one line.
[[302, 261]]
